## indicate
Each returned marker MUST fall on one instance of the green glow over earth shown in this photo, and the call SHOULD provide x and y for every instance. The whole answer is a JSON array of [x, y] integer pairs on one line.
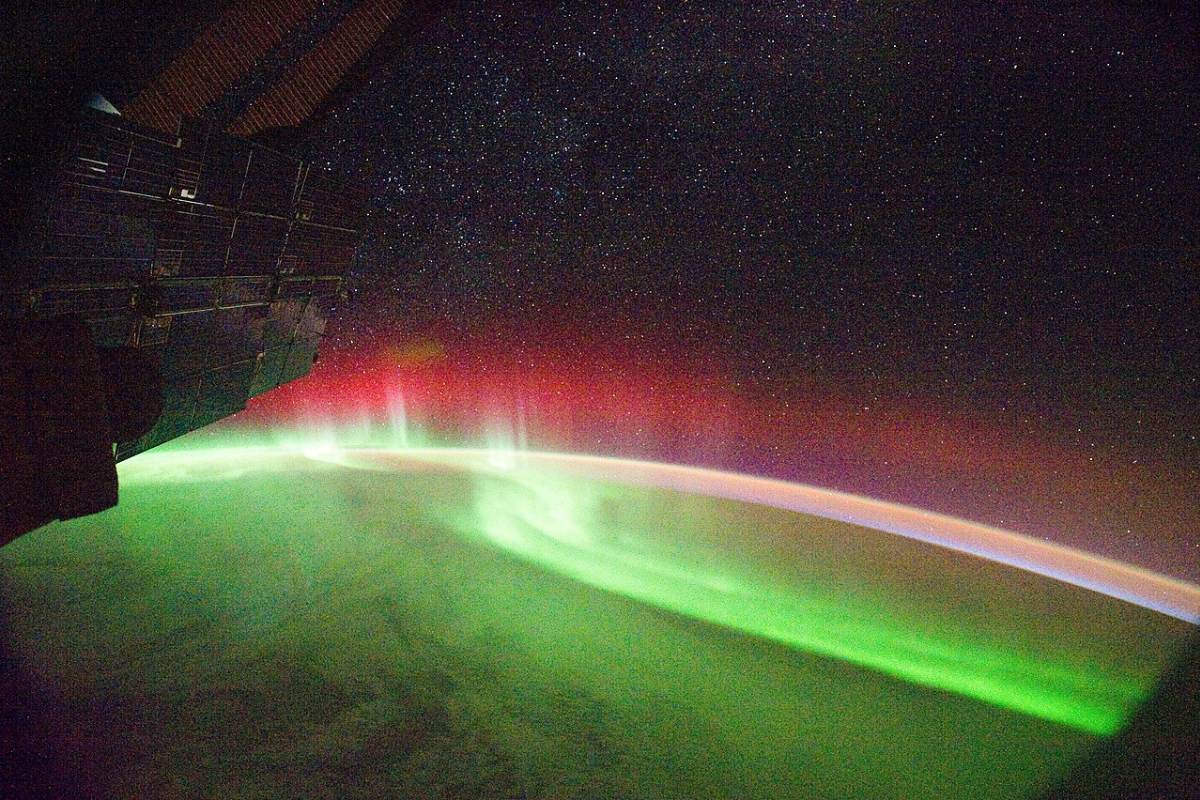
[[325, 611]]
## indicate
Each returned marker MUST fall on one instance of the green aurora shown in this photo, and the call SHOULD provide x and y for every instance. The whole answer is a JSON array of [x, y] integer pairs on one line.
[[214, 552]]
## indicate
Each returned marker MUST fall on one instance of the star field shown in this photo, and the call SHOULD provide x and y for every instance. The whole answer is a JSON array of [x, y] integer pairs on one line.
[[868, 192], [975, 209]]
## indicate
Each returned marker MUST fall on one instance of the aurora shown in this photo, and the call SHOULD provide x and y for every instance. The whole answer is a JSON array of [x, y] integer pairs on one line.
[[557, 511]]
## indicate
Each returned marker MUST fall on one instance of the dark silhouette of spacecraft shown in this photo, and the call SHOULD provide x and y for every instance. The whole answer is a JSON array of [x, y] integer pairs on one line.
[[173, 260]]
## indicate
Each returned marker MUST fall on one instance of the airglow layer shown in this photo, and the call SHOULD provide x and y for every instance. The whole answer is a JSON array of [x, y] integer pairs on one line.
[[1151, 590], [1171, 596]]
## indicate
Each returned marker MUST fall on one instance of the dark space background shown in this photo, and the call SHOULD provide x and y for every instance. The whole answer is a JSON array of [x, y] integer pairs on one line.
[[979, 204]]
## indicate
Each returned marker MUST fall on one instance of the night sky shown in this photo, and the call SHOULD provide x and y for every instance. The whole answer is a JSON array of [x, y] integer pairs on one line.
[[980, 205], [942, 254], [946, 254]]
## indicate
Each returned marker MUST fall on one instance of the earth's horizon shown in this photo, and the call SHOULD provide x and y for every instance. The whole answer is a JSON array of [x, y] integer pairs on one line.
[[323, 621]]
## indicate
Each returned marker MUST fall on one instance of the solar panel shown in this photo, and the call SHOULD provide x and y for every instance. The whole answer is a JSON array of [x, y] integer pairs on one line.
[[217, 257]]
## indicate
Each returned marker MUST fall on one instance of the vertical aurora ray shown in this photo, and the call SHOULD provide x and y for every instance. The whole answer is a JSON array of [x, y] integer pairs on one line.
[[398, 417]]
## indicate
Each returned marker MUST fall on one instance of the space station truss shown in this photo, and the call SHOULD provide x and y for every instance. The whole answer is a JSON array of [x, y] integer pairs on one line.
[[218, 257]]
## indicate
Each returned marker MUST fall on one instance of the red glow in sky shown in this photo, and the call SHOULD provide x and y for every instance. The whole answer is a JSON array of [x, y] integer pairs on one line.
[[996, 468]]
